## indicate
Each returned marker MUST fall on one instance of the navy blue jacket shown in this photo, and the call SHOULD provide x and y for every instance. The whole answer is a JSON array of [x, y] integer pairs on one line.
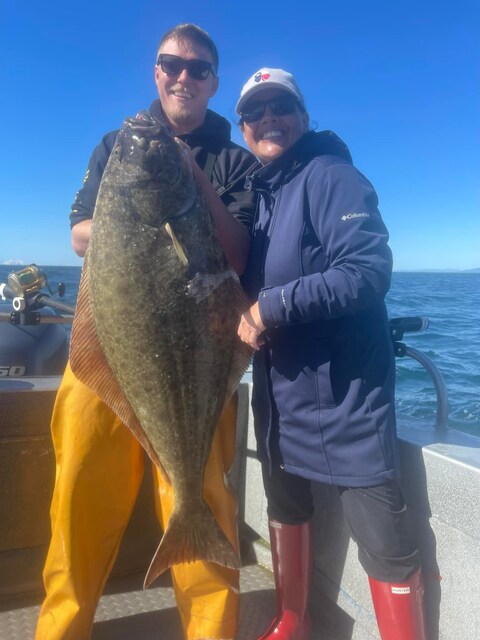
[[320, 267]]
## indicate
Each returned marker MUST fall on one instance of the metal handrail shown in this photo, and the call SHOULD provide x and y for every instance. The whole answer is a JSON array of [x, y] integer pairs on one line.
[[441, 420]]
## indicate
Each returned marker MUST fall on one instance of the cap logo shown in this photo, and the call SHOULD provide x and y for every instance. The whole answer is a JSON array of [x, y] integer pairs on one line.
[[261, 76]]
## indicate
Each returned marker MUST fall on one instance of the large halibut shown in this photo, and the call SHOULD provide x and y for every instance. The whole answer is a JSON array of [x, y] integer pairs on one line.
[[155, 331]]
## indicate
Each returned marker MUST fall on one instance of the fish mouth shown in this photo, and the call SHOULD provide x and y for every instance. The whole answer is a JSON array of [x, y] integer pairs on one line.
[[144, 123], [141, 140], [148, 143]]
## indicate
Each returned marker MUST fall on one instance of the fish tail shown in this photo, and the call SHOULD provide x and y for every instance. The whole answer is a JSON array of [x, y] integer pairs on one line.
[[190, 537]]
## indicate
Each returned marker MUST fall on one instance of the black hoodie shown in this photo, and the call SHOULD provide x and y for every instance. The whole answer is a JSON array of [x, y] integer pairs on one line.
[[226, 164]]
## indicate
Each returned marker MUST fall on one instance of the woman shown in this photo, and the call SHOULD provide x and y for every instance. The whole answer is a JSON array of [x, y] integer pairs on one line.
[[323, 392]]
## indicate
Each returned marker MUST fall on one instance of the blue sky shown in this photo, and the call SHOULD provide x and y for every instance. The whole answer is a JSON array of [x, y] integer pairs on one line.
[[399, 82]]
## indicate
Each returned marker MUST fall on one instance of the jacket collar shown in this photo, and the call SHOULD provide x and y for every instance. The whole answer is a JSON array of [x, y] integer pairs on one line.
[[283, 168]]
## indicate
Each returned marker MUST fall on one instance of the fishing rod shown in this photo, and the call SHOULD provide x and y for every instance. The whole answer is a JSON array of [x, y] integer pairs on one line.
[[23, 289]]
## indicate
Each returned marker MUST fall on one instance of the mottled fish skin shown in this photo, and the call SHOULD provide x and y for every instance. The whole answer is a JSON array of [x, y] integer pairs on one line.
[[167, 329]]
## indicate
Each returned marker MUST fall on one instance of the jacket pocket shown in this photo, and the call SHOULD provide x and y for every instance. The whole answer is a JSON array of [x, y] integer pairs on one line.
[[323, 386]]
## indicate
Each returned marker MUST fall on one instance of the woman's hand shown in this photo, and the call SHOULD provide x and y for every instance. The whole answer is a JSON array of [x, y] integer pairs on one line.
[[251, 328]]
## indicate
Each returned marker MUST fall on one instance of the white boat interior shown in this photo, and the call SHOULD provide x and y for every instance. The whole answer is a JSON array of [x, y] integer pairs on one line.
[[441, 479]]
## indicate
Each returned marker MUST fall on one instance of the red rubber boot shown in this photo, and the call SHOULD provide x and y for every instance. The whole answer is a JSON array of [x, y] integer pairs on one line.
[[292, 556], [399, 608]]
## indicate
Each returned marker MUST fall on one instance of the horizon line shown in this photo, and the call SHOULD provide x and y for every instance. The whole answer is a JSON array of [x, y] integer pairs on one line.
[[399, 270]]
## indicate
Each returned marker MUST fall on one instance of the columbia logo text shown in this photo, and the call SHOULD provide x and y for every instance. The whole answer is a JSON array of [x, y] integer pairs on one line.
[[352, 216]]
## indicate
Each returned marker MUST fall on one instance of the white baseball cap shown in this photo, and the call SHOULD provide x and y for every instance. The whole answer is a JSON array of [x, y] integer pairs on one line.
[[268, 79]]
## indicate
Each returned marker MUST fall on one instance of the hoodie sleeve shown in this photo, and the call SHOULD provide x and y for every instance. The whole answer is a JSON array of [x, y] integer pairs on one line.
[[342, 207], [84, 203], [230, 172]]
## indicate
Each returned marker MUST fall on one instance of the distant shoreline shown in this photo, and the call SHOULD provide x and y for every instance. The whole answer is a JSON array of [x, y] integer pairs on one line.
[[78, 266], [436, 271]]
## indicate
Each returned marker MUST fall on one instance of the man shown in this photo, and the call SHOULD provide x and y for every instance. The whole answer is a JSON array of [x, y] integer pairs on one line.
[[99, 462]]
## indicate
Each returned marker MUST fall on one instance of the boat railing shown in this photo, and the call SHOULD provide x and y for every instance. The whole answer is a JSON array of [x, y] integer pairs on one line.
[[400, 326]]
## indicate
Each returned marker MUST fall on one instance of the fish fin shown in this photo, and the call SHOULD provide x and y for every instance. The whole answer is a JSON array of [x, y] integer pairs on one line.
[[191, 537], [90, 366], [242, 354], [179, 248]]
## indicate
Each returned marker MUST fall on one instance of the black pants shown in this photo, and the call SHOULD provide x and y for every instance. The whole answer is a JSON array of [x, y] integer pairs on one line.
[[376, 517]]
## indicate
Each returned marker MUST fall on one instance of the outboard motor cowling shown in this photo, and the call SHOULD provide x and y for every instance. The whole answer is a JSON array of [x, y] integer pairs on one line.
[[33, 350]]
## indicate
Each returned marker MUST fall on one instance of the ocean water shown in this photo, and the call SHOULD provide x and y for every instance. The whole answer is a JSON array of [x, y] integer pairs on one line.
[[450, 301]]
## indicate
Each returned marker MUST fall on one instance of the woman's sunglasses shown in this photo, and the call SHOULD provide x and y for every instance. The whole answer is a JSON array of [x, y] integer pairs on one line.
[[174, 65], [280, 106]]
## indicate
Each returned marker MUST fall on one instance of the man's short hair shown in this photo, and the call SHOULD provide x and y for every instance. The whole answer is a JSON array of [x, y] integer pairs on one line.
[[195, 34]]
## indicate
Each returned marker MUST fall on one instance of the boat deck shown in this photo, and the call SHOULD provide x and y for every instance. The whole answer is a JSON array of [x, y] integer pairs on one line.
[[126, 611], [441, 480]]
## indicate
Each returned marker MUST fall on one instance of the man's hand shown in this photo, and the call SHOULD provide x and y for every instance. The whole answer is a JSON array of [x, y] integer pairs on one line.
[[251, 328]]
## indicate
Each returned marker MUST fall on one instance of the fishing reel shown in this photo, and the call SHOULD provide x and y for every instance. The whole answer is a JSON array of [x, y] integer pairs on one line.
[[27, 280], [23, 289]]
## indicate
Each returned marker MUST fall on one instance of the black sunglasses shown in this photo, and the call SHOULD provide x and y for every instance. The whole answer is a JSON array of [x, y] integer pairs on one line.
[[174, 65], [280, 106]]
